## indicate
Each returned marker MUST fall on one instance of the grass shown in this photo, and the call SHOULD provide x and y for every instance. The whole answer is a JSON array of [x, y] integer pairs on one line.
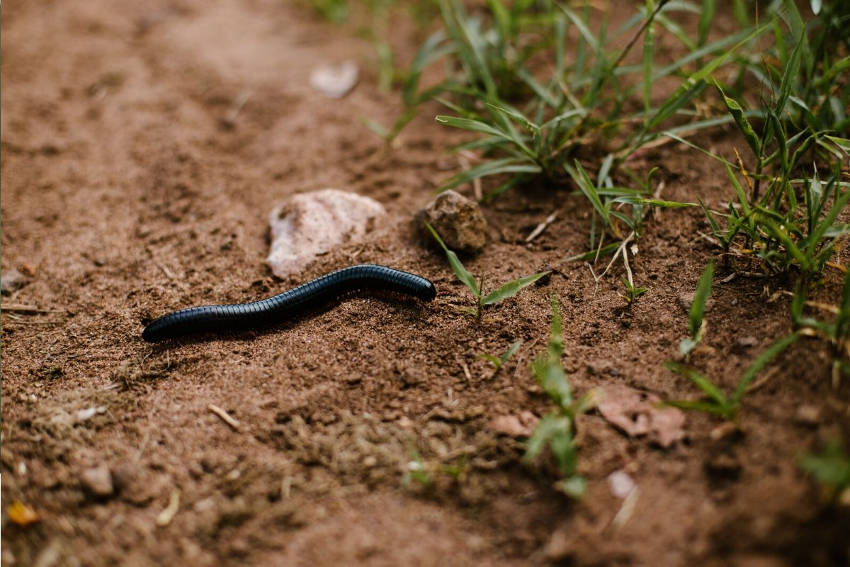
[[557, 429], [831, 469], [483, 300], [554, 96], [499, 361], [718, 402], [696, 322]]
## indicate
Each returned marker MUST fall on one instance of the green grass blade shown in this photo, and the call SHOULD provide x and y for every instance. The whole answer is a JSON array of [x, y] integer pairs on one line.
[[471, 125], [697, 312], [744, 125], [700, 381], [506, 165], [705, 18], [511, 288], [759, 363], [457, 266], [510, 352]]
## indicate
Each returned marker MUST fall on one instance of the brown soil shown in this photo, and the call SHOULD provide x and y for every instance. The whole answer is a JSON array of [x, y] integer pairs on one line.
[[126, 193]]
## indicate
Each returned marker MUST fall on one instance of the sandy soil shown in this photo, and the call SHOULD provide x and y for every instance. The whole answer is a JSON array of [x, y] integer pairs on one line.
[[126, 192]]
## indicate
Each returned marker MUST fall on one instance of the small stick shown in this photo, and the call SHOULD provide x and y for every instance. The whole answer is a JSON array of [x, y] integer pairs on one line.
[[164, 518], [542, 226], [466, 371], [230, 119], [225, 417]]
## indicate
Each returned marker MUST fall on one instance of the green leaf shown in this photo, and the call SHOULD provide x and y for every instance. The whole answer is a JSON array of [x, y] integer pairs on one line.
[[741, 120], [705, 18], [700, 381], [831, 467], [604, 251], [790, 75], [588, 189], [510, 352], [470, 124], [505, 165], [511, 288], [497, 362], [574, 486], [700, 297], [842, 143], [549, 426], [457, 266], [694, 83], [759, 363], [515, 114]]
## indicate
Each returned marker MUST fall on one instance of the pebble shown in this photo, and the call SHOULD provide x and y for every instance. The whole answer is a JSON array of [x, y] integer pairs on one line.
[[458, 220], [309, 225], [97, 481], [620, 483], [335, 81], [808, 414], [12, 280]]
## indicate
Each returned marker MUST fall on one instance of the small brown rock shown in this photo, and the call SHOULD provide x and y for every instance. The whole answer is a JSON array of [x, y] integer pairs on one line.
[[457, 220], [97, 481], [808, 415]]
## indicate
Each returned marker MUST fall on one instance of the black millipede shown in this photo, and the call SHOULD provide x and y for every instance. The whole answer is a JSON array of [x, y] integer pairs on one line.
[[309, 296]]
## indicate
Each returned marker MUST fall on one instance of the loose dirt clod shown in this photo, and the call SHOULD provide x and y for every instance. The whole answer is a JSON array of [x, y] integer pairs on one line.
[[12, 280], [637, 413], [457, 220], [311, 224], [97, 481]]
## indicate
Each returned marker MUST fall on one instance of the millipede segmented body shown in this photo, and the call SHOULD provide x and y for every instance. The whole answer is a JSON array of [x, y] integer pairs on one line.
[[308, 296]]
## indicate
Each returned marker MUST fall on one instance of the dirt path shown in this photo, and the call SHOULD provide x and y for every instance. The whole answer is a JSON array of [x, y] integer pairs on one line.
[[128, 191]]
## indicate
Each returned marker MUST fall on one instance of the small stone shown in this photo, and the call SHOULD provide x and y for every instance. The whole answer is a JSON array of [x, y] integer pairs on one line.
[[88, 413], [620, 484], [311, 224], [725, 431], [808, 414], [12, 280], [510, 425], [97, 481], [335, 81], [457, 220]]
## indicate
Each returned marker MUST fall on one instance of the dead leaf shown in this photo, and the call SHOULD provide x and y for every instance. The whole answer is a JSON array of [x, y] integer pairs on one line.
[[22, 514], [637, 413]]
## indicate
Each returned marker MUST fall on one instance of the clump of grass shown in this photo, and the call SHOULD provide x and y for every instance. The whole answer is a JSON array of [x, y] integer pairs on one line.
[[831, 468], [632, 292], [696, 316], [557, 429], [483, 300], [784, 222], [718, 402]]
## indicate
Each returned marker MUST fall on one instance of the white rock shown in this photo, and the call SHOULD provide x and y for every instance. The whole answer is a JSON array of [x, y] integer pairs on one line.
[[620, 483], [311, 224], [335, 81]]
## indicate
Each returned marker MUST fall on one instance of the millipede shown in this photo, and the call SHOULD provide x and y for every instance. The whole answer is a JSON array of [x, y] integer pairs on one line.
[[368, 278]]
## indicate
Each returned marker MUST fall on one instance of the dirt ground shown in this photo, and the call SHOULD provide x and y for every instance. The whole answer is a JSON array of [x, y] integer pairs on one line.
[[127, 192]]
